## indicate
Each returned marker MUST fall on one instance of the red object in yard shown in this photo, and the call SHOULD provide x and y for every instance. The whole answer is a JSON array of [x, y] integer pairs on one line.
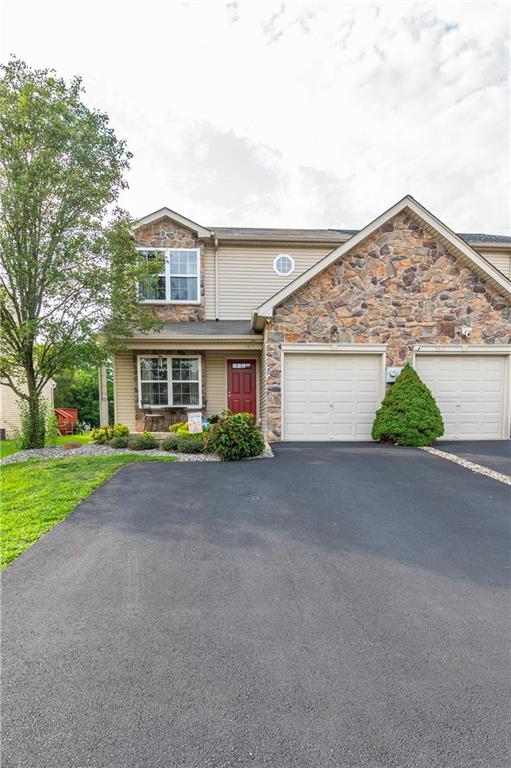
[[67, 419]]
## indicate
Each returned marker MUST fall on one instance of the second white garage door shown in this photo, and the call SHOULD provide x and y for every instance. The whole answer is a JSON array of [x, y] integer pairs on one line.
[[470, 391], [331, 396]]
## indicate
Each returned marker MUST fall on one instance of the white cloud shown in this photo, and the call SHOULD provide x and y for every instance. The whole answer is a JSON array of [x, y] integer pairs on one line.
[[297, 114]]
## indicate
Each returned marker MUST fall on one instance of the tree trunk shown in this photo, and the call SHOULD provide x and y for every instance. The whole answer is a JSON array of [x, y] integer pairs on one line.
[[36, 426]]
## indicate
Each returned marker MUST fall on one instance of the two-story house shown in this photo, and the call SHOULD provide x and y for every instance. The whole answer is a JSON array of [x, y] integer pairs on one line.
[[306, 327]]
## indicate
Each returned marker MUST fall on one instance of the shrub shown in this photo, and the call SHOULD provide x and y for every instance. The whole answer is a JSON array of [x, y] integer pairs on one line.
[[52, 429], [120, 430], [190, 443], [178, 425], [408, 414], [235, 436], [144, 441], [24, 434], [119, 441], [170, 443], [103, 435]]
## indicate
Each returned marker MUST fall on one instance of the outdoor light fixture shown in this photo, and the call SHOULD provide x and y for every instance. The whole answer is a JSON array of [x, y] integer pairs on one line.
[[334, 334]]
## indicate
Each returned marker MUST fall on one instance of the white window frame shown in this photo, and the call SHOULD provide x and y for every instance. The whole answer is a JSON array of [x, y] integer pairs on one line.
[[170, 381], [168, 276], [280, 256]]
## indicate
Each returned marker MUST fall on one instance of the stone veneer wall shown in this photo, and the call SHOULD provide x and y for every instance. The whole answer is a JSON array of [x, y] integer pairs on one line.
[[398, 287], [172, 415], [166, 234]]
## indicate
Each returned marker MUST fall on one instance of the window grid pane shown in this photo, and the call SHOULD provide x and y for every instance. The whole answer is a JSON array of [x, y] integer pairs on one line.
[[183, 263], [154, 287], [183, 288], [153, 369], [155, 393]]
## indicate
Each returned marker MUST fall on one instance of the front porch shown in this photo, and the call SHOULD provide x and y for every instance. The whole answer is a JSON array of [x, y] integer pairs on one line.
[[157, 382]]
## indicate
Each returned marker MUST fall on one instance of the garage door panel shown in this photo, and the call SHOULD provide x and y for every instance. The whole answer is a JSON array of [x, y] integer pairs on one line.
[[331, 396], [470, 391]]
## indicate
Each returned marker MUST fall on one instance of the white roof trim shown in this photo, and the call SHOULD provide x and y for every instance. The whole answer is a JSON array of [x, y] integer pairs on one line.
[[266, 309], [168, 213]]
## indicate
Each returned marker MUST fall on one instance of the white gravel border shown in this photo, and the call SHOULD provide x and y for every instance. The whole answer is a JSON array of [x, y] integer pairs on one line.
[[91, 449], [478, 469]]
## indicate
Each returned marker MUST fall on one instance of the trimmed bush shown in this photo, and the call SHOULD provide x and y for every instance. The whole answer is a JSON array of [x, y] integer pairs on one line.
[[178, 425], [121, 441], [103, 435], [170, 443], [408, 414], [144, 441], [190, 443], [234, 436], [120, 430]]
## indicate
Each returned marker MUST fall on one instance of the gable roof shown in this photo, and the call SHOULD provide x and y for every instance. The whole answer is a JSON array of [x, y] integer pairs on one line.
[[446, 236], [162, 213]]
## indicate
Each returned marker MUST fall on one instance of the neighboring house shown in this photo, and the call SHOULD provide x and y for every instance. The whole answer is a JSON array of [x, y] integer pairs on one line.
[[305, 327], [10, 419]]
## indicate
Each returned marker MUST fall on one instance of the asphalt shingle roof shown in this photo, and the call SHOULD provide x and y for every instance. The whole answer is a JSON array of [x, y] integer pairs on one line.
[[203, 328], [267, 233]]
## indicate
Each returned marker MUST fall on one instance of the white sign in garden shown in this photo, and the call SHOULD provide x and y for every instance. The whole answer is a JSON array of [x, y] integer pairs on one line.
[[194, 422]]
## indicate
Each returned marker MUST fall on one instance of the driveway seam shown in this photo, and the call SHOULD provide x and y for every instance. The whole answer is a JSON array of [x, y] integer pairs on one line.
[[479, 469]]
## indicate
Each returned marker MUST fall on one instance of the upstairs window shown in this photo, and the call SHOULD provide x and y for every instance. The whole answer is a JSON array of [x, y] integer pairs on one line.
[[179, 280], [184, 277]]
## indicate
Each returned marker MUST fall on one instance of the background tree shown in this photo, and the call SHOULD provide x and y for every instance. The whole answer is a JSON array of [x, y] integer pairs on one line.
[[67, 281], [78, 388]]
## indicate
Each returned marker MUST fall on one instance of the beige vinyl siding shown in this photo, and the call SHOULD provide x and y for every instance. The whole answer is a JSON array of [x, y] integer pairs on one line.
[[9, 409], [246, 276], [216, 379], [499, 258], [124, 389]]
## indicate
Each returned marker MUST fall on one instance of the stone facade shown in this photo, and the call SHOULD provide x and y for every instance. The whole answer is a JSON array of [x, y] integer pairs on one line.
[[169, 415], [167, 234], [399, 287]]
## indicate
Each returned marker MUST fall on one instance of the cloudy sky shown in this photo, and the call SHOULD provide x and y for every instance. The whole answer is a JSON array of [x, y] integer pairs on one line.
[[291, 113]]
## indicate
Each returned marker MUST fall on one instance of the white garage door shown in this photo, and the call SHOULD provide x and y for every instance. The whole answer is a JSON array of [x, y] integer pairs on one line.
[[470, 391], [331, 396]]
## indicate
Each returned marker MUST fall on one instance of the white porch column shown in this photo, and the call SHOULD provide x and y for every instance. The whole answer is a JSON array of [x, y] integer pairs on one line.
[[103, 397]]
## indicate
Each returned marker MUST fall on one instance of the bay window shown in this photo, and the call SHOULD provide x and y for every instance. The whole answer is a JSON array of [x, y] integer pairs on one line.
[[169, 382], [179, 279]]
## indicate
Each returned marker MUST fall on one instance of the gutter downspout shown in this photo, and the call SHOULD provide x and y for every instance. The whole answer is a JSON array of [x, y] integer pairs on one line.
[[215, 251]]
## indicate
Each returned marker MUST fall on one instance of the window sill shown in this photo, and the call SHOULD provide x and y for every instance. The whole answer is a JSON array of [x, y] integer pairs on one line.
[[173, 303], [171, 407]]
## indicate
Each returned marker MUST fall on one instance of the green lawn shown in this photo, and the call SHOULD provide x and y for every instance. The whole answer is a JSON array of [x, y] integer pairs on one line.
[[35, 495], [9, 446]]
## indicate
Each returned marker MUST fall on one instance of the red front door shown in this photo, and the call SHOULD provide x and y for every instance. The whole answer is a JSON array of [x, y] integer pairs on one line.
[[241, 386]]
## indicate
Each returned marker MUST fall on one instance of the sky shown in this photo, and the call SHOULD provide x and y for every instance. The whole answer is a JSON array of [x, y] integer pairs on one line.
[[297, 114]]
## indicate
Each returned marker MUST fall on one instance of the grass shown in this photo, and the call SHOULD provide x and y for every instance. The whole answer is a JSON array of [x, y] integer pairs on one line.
[[10, 446], [36, 495]]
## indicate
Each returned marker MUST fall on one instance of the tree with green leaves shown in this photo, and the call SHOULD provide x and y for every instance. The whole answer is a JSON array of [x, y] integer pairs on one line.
[[68, 279], [78, 388], [408, 414]]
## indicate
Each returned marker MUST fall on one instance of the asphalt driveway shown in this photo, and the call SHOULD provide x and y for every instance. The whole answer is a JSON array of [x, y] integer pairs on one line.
[[340, 605], [495, 454]]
